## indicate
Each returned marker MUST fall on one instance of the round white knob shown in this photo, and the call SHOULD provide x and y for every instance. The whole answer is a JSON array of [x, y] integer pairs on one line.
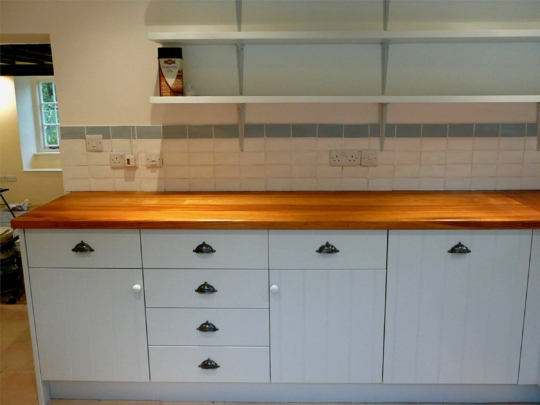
[[274, 289], [137, 288]]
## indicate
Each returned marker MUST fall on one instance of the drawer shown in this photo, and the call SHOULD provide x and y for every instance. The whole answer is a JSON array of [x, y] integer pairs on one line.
[[235, 288], [232, 249], [235, 327], [236, 364], [299, 249], [112, 248]]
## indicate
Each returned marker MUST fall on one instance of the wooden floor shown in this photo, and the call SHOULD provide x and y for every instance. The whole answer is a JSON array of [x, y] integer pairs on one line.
[[17, 379]]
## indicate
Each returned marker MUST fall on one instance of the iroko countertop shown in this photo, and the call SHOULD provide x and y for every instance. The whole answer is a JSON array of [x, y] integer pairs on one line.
[[288, 210]]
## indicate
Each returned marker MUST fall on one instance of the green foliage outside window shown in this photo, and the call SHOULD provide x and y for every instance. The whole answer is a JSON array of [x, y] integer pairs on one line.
[[50, 118]]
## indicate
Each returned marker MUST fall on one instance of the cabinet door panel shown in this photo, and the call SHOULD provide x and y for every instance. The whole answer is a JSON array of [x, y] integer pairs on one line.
[[455, 318], [327, 326], [90, 325]]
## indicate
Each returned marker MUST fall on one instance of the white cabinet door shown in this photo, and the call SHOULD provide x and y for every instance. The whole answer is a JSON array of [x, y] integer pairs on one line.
[[326, 326], [455, 318], [90, 324]]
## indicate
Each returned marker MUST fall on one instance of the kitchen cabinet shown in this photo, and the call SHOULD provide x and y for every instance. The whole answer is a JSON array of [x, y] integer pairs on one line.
[[455, 318]]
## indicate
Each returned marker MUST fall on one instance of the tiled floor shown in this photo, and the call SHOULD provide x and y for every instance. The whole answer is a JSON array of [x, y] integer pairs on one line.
[[17, 380]]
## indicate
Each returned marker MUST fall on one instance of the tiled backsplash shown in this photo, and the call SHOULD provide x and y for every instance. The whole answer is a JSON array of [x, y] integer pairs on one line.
[[296, 157]]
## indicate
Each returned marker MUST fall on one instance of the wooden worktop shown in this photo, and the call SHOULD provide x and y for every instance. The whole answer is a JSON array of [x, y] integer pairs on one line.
[[288, 210]]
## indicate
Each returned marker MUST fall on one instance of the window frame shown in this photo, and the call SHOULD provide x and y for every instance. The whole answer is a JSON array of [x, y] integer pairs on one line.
[[41, 144]]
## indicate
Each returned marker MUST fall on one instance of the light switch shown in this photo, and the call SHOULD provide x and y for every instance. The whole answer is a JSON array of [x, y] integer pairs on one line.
[[154, 160], [94, 143]]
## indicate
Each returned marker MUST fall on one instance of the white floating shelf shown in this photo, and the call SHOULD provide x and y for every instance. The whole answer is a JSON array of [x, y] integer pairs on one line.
[[345, 37], [342, 99]]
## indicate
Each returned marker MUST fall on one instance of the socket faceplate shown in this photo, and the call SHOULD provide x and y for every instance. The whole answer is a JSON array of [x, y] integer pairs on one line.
[[344, 157]]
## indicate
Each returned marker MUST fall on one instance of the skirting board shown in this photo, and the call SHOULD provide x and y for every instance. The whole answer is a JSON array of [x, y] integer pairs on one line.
[[202, 392]]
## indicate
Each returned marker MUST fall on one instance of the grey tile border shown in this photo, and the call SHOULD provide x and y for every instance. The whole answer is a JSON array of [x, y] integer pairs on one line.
[[330, 131], [226, 131], [374, 130], [487, 130], [532, 129], [174, 131], [278, 130], [105, 132], [200, 131], [434, 130], [390, 130], [460, 130], [304, 130], [72, 133], [254, 131], [149, 132], [123, 132], [408, 131], [356, 131], [513, 130]]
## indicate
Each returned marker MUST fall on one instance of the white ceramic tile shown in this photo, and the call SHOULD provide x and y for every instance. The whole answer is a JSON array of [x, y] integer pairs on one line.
[[304, 171], [510, 156], [126, 174], [485, 157], [275, 171], [433, 158], [531, 143], [200, 145], [407, 171], [98, 159], [254, 144], [329, 143], [201, 185], [153, 184], [408, 144], [253, 171], [304, 158], [227, 184], [77, 185], [304, 184], [406, 184], [175, 145], [101, 172], [459, 144], [279, 184], [483, 183], [458, 170], [432, 171], [386, 171], [74, 159], [127, 185], [75, 172], [201, 159], [509, 170], [175, 158], [201, 172], [107, 145], [430, 183], [122, 145], [333, 184], [102, 184], [484, 170], [329, 171], [278, 144], [176, 172], [531, 170], [323, 157], [389, 144], [304, 144], [252, 184], [355, 171], [227, 158], [508, 183], [407, 158], [72, 145], [486, 143], [227, 171], [252, 158], [151, 173], [278, 158], [356, 143], [434, 144], [176, 184], [530, 183], [512, 143], [149, 145], [380, 184], [457, 183], [227, 145], [358, 183], [459, 156], [531, 156], [387, 157]]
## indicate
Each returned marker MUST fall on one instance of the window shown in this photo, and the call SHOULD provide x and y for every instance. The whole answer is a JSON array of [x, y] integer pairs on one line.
[[46, 111]]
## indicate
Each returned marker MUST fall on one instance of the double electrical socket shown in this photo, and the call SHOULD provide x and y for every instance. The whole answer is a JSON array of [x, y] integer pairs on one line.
[[122, 159], [354, 157]]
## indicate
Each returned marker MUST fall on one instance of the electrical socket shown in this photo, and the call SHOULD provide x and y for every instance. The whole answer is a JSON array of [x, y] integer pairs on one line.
[[117, 160], [344, 157]]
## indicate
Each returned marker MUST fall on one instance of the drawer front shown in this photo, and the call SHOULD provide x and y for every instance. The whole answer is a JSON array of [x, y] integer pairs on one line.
[[235, 288], [235, 327], [299, 249], [233, 249], [236, 364], [111, 248]]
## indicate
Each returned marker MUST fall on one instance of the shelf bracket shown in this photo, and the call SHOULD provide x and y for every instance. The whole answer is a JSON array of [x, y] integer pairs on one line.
[[386, 13], [538, 123], [382, 123], [239, 15], [240, 63], [241, 124], [385, 47]]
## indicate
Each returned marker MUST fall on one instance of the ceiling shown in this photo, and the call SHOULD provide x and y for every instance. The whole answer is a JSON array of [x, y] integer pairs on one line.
[[26, 60]]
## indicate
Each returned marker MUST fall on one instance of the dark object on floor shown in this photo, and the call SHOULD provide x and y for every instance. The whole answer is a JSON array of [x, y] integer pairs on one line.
[[2, 190], [11, 277]]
